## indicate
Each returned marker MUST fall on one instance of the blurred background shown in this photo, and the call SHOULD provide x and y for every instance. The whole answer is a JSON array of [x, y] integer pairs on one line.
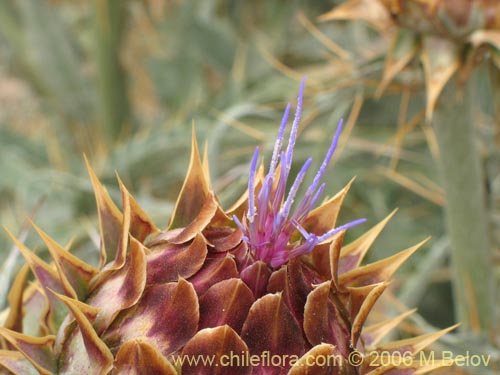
[[123, 81]]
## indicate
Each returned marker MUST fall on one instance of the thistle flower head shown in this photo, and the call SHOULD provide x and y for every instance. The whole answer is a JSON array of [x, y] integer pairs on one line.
[[185, 299], [270, 221]]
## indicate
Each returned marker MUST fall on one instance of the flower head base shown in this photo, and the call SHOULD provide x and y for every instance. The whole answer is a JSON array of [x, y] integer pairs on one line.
[[270, 223]]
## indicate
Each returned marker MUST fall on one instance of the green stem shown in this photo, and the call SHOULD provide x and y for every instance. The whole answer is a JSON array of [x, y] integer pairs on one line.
[[109, 22], [466, 215]]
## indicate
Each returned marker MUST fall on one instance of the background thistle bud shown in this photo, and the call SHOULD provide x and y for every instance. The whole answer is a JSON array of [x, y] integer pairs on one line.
[[454, 19]]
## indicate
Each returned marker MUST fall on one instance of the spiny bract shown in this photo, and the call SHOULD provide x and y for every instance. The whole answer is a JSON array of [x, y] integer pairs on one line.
[[258, 289]]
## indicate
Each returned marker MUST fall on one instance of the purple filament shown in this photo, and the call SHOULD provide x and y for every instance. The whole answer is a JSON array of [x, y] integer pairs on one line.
[[268, 227]]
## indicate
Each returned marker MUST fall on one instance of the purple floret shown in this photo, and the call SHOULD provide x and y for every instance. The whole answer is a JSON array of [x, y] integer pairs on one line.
[[268, 225]]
